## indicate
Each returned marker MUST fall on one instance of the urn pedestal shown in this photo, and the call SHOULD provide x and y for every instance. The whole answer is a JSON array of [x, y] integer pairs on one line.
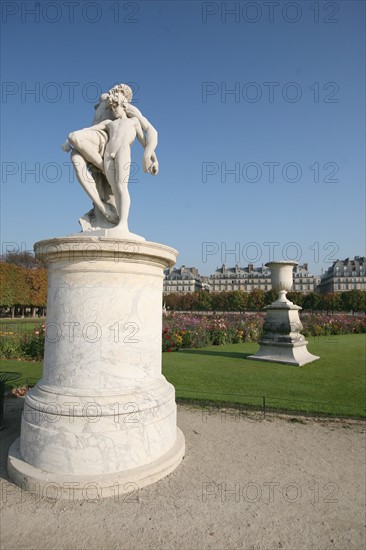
[[102, 420], [281, 341]]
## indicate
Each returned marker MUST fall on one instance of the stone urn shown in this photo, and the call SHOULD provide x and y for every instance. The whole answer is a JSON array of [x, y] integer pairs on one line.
[[281, 341], [281, 277]]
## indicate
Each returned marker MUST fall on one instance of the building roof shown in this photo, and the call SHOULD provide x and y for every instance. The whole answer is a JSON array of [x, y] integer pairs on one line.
[[182, 273], [236, 270], [357, 262]]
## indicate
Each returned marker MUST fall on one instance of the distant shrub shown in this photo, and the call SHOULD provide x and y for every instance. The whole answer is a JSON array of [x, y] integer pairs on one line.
[[10, 346], [27, 346]]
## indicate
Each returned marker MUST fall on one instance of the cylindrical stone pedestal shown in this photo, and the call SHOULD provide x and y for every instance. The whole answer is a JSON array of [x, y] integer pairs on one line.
[[103, 416]]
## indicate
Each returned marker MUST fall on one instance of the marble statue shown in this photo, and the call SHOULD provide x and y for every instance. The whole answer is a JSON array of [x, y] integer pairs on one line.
[[101, 156], [103, 418]]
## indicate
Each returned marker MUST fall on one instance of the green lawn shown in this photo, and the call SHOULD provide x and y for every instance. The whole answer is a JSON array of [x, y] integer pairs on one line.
[[334, 384], [22, 326], [30, 371]]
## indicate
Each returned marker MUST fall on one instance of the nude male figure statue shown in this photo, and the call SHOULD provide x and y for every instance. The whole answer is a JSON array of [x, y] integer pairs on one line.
[[107, 179], [117, 155]]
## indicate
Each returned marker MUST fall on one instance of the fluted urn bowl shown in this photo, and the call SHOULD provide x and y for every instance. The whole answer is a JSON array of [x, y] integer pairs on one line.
[[281, 276]]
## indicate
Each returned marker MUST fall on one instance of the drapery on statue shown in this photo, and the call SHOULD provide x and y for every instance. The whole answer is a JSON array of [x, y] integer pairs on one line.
[[101, 156]]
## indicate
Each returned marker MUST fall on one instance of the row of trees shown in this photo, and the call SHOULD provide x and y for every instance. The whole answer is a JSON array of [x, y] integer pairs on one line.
[[237, 300], [23, 284], [22, 288]]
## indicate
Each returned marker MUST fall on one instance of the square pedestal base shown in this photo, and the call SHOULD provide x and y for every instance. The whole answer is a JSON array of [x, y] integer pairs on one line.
[[289, 354]]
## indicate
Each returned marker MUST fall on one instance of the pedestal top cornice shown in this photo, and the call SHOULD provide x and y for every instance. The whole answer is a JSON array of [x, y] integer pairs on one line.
[[90, 248]]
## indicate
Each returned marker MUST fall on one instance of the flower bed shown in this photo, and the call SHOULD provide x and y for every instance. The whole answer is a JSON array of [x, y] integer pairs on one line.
[[324, 325], [193, 331], [196, 331], [187, 331]]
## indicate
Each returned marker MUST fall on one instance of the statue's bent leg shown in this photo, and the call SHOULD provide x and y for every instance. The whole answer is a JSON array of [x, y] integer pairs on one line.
[[118, 173], [106, 195], [87, 182], [87, 142]]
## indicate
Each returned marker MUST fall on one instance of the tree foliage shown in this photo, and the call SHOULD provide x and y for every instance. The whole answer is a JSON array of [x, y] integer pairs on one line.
[[23, 259], [354, 300], [237, 300], [21, 286]]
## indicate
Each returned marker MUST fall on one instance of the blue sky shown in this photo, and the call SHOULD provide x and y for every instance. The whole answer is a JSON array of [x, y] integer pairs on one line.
[[278, 160]]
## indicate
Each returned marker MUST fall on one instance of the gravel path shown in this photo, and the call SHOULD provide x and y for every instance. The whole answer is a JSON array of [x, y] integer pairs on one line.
[[244, 483]]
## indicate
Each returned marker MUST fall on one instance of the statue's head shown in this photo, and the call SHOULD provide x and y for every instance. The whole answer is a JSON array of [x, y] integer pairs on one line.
[[119, 90]]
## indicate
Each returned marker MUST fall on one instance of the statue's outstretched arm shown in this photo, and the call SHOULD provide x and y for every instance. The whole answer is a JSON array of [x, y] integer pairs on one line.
[[150, 162], [151, 135]]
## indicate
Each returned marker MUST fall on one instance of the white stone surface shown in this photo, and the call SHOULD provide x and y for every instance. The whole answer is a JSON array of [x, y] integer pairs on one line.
[[281, 274], [92, 487], [103, 406]]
